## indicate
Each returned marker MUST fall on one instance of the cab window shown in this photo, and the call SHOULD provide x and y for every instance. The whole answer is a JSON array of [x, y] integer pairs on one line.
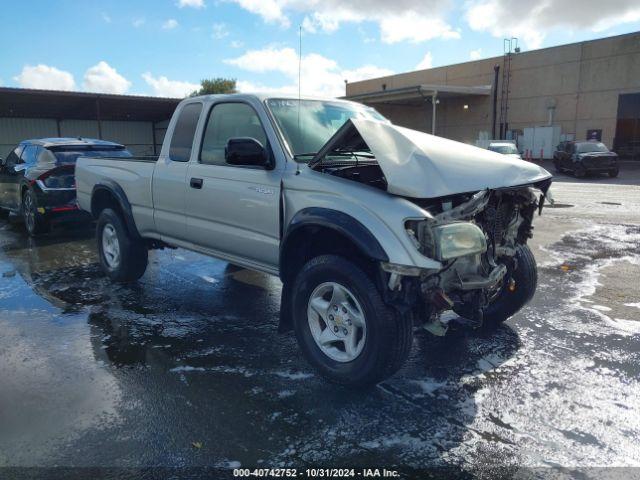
[[229, 120], [183, 133]]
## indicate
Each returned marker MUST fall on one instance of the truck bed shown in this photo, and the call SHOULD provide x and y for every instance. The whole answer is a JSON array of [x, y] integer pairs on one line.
[[133, 174]]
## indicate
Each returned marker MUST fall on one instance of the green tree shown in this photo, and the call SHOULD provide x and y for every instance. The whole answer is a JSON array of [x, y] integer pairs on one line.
[[216, 85]]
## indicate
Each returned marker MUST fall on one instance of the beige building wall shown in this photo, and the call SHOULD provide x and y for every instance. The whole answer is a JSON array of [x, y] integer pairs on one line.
[[577, 84]]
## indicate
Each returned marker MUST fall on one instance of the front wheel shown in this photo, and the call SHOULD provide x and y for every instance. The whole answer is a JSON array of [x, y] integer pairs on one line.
[[614, 172], [34, 221], [579, 171], [123, 258], [519, 286], [343, 327]]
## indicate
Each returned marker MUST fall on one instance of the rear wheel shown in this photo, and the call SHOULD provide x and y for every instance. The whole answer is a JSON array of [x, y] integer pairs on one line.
[[343, 327], [123, 258], [614, 172], [34, 221], [519, 287], [556, 164]]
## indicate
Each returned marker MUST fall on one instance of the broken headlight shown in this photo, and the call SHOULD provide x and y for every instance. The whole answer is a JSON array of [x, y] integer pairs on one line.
[[458, 239], [447, 241]]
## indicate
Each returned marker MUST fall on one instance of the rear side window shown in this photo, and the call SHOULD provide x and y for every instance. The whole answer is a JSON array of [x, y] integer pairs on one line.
[[182, 139], [30, 154]]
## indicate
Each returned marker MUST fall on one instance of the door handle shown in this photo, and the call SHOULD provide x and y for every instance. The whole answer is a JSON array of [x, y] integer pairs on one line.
[[196, 183]]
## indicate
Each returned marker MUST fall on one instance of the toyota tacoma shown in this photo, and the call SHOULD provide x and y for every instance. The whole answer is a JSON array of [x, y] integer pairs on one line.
[[374, 230]]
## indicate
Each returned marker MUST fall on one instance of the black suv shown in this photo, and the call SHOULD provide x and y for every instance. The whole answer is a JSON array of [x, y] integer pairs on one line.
[[582, 158], [37, 179]]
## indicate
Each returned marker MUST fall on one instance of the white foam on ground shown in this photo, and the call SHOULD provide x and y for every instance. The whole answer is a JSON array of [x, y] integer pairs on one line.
[[429, 386], [293, 376], [187, 368]]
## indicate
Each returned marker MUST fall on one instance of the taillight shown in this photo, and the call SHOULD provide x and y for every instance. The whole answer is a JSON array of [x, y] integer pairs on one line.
[[59, 181], [58, 178]]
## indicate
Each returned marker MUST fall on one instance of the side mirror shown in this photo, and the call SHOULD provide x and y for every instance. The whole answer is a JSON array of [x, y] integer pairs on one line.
[[246, 151]]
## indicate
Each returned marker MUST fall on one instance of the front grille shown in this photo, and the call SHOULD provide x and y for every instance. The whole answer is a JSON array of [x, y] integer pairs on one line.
[[595, 162]]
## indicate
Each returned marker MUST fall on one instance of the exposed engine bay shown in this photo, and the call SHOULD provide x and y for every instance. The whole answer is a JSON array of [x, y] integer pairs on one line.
[[467, 284]]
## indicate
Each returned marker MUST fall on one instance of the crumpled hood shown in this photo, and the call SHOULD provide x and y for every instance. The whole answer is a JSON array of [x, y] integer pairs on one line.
[[419, 165]]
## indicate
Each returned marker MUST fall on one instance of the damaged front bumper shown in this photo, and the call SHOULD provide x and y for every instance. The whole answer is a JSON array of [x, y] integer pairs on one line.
[[475, 239]]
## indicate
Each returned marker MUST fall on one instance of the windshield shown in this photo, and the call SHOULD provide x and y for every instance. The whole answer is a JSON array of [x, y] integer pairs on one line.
[[504, 149], [591, 147], [318, 121]]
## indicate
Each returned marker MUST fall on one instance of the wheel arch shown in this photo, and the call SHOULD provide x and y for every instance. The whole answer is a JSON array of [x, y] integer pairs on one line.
[[319, 231], [310, 226], [108, 194]]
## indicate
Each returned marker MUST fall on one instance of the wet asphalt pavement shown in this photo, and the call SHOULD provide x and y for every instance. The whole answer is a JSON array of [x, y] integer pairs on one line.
[[186, 369]]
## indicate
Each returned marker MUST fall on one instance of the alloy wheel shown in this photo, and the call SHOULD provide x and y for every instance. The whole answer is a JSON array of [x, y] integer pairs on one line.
[[29, 210], [337, 322], [110, 246]]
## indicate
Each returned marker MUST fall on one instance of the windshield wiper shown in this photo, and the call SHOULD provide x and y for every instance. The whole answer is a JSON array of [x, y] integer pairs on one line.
[[299, 155]]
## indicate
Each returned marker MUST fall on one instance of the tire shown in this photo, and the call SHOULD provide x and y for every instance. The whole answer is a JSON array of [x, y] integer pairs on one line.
[[579, 171], [123, 258], [34, 221], [508, 301], [614, 172], [556, 164], [384, 341]]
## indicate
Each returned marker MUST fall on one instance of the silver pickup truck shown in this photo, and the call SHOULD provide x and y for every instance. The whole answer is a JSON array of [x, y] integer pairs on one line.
[[374, 229]]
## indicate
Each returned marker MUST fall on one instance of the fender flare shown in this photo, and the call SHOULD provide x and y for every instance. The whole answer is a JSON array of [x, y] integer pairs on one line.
[[116, 191], [342, 223]]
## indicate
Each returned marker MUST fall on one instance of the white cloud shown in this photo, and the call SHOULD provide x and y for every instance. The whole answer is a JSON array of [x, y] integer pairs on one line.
[[412, 27], [163, 87], [401, 20], [45, 77], [504, 18], [475, 54], [321, 76], [105, 17], [191, 3], [270, 10], [103, 78], [170, 24], [236, 44], [426, 62], [219, 31], [138, 22]]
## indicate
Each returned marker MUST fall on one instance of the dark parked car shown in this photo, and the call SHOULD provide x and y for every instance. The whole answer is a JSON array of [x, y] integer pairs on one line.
[[37, 179], [582, 158]]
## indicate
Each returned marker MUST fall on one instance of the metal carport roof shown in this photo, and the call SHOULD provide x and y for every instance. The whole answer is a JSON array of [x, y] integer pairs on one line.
[[25, 103]]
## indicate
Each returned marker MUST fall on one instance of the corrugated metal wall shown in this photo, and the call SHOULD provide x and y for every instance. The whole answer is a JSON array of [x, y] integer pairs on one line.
[[79, 128], [137, 136], [14, 130]]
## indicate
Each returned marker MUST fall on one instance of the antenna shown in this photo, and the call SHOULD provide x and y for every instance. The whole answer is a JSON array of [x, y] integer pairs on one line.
[[299, 90], [299, 76]]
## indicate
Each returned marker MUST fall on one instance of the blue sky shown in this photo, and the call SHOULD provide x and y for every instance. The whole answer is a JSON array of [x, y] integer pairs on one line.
[[165, 47]]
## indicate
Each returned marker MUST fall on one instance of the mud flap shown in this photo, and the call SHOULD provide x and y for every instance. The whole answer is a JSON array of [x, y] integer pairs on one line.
[[286, 310]]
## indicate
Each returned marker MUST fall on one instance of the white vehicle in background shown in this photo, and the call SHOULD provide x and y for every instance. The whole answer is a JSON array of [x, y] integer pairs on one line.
[[374, 229], [505, 148]]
